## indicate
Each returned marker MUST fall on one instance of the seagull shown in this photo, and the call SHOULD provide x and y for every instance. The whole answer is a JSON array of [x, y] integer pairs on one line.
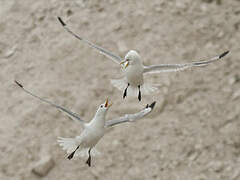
[[133, 69], [94, 130]]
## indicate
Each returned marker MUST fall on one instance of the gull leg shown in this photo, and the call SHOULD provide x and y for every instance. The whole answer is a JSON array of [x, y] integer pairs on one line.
[[88, 162], [139, 93], [125, 91], [72, 154]]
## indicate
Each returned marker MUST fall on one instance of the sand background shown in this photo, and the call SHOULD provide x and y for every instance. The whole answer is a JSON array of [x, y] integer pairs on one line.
[[192, 134]]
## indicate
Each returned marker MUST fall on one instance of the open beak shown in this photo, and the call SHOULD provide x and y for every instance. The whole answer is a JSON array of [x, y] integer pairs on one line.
[[107, 105], [125, 62]]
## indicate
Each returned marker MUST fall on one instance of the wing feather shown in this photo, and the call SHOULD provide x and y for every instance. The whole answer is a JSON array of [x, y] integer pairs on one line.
[[72, 115], [131, 117], [180, 67], [103, 51]]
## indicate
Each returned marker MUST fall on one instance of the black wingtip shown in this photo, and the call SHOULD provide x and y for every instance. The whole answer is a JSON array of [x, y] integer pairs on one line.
[[70, 156], [20, 85], [61, 21], [223, 54], [152, 105]]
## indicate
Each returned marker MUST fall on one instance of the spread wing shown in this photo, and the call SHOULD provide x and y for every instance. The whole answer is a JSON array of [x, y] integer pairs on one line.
[[180, 67], [131, 117], [72, 115], [103, 51]]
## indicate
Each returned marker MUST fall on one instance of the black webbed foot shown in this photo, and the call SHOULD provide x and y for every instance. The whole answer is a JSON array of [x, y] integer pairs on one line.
[[139, 93], [88, 162], [125, 91], [72, 154]]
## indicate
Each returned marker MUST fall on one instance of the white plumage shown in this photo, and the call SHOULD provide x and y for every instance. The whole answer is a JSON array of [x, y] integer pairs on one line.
[[93, 131], [133, 69]]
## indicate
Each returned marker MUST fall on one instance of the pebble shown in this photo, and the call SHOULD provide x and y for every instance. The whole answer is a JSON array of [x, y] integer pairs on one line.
[[236, 175], [193, 156], [220, 34], [234, 79], [122, 47], [11, 52], [146, 27], [42, 167], [158, 9], [201, 177], [236, 95], [216, 166]]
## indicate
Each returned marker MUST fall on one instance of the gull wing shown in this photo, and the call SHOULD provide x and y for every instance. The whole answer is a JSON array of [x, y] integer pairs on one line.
[[72, 115], [131, 117], [180, 67], [103, 51]]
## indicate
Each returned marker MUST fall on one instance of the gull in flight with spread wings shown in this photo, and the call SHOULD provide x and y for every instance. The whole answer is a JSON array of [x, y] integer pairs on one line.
[[94, 130], [133, 69]]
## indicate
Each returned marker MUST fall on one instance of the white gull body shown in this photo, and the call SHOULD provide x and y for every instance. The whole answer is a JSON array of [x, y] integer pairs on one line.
[[133, 82], [134, 70], [93, 131]]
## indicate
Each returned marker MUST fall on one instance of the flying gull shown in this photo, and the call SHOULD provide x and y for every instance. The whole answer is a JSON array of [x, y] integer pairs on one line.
[[134, 70], [94, 130]]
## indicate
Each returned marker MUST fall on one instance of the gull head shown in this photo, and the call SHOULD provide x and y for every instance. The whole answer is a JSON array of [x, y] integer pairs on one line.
[[131, 58], [103, 108]]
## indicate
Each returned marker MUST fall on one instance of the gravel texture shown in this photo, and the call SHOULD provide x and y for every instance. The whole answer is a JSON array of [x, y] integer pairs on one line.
[[193, 134]]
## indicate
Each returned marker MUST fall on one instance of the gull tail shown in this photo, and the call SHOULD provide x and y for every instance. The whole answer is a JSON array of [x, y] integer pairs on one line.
[[73, 148], [146, 88], [68, 144]]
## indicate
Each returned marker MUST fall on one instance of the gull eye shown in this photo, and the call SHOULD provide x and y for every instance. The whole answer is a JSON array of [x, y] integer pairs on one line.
[[101, 106]]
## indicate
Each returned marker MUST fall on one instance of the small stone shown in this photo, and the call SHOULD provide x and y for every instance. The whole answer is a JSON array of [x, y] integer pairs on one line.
[[100, 9], [203, 7], [216, 166], [80, 3], [116, 142], [198, 146], [220, 34], [234, 79], [175, 163], [236, 95], [231, 80], [180, 4], [42, 167], [112, 1], [69, 12], [11, 52], [209, 45], [219, 2], [85, 21], [158, 9], [146, 27], [122, 47], [193, 156], [133, 171], [140, 12], [235, 175], [201, 177], [117, 27]]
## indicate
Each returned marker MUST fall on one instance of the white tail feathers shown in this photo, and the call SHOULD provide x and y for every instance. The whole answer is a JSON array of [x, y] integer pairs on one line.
[[68, 144], [121, 84], [71, 144]]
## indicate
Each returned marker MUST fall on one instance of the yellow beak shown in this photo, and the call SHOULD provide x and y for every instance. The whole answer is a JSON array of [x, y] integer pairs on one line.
[[126, 63], [107, 105]]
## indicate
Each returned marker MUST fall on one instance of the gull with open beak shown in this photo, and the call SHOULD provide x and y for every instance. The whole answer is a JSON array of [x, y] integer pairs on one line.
[[94, 130], [133, 69]]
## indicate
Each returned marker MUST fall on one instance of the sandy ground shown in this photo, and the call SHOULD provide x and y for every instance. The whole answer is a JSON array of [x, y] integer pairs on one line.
[[193, 134]]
